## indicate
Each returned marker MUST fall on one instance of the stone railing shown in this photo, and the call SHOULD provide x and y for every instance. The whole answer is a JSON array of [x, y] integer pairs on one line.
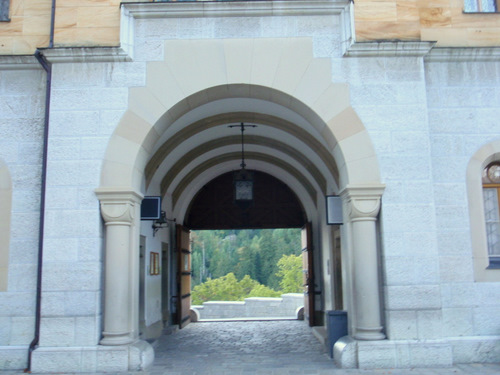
[[288, 306]]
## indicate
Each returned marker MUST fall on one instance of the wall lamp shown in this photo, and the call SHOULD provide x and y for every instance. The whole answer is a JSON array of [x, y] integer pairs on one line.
[[160, 223]]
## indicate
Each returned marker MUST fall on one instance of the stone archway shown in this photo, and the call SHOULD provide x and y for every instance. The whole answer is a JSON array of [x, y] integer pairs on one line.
[[307, 89], [298, 101]]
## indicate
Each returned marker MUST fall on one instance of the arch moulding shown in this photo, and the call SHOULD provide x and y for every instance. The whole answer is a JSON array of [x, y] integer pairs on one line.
[[258, 68], [250, 68]]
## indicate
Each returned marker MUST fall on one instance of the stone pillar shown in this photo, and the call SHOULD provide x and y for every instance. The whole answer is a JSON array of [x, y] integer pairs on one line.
[[363, 203], [118, 208]]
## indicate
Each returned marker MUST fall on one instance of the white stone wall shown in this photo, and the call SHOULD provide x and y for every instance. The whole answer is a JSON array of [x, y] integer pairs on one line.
[[254, 307], [463, 108], [21, 124], [87, 102], [426, 120], [150, 34], [389, 95]]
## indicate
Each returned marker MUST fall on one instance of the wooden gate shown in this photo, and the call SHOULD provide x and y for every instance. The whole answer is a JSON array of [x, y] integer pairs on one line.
[[183, 276], [308, 274]]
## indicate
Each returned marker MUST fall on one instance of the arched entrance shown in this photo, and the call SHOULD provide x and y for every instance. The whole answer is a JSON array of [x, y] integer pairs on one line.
[[174, 139], [273, 205]]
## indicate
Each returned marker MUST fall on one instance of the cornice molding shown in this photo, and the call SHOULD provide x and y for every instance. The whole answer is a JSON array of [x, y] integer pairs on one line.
[[427, 50], [364, 49], [389, 49], [85, 54], [19, 62], [463, 54], [200, 9]]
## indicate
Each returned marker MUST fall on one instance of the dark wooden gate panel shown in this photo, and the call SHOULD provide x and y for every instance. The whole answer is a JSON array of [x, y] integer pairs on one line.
[[275, 205], [183, 276], [308, 274], [337, 271]]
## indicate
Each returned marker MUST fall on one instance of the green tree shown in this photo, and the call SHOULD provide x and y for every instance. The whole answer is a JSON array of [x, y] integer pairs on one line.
[[249, 259], [224, 288], [287, 241], [228, 288], [252, 252], [263, 291], [268, 258], [290, 272]]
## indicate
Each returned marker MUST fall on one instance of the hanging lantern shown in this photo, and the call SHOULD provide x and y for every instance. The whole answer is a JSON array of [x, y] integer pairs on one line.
[[243, 185], [243, 179]]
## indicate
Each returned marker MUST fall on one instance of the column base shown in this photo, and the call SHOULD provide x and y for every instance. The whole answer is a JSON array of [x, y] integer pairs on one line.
[[111, 339], [369, 334], [138, 356], [350, 353]]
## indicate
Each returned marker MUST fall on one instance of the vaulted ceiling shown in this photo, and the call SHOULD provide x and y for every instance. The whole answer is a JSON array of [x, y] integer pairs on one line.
[[199, 146]]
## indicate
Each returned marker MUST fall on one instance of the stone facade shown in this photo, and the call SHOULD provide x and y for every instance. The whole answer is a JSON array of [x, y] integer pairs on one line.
[[448, 23], [401, 130], [75, 24], [287, 306], [21, 121]]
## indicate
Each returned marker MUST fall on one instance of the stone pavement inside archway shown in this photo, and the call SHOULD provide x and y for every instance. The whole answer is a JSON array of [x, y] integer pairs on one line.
[[265, 348], [261, 348], [237, 347]]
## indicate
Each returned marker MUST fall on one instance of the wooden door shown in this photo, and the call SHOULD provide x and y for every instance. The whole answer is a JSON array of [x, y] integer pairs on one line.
[[183, 276], [308, 274]]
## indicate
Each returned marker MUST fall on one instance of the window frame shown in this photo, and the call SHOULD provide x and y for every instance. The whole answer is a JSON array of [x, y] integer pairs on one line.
[[494, 261], [4, 10], [480, 8], [490, 152]]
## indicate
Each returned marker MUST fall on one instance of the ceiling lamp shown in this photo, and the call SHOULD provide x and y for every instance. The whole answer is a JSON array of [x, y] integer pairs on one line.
[[243, 179]]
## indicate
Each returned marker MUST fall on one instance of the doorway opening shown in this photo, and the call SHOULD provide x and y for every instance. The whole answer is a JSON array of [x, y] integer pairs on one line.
[[263, 268], [259, 270], [229, 252]]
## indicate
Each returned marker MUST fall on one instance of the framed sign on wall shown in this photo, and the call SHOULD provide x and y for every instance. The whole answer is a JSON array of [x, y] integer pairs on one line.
[[154, 263], [334, 210]]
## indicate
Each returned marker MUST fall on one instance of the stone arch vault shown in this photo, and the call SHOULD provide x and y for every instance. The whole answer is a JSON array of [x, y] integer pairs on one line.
[[180, 84], [311, 138]]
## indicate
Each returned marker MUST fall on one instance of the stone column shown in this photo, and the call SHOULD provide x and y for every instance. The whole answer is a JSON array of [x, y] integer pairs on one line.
[[363, 204], [118, 208]]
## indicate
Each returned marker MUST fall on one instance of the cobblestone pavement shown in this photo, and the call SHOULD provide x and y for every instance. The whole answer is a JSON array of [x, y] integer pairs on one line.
[[262, 348]]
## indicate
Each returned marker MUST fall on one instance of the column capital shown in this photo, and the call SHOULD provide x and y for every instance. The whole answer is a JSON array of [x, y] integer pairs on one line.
[[364, 200], [117, 204]]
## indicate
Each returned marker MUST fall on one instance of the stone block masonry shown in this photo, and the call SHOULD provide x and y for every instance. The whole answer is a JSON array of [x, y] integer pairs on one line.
[[254, 307]]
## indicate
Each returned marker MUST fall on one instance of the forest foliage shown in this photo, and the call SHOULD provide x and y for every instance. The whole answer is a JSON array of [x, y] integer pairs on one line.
[[230, 265]]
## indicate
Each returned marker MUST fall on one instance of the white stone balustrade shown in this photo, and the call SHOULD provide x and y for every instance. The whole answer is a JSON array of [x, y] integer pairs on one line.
[[254, 307]]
